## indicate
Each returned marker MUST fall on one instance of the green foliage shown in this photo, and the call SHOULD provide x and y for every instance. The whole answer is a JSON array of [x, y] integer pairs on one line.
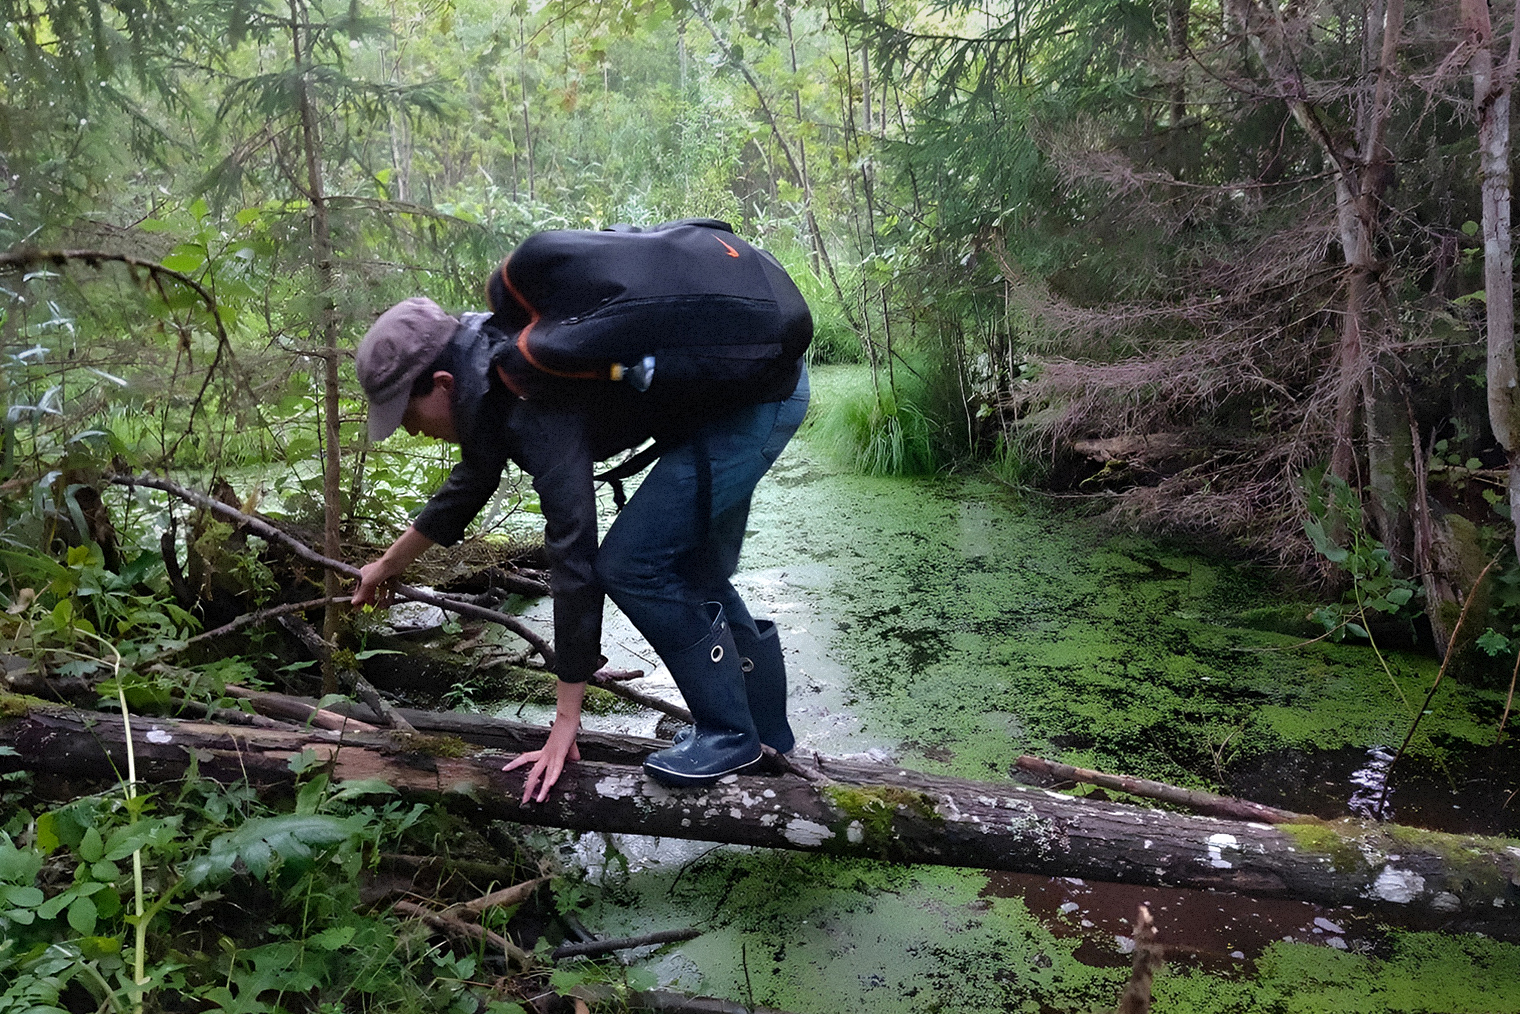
[[51, 604], [66, 904], [873, 427], [834, 337], [1364, 559]]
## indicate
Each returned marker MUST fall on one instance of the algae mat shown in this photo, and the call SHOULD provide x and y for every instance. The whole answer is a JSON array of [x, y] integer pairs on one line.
[[954, 627]]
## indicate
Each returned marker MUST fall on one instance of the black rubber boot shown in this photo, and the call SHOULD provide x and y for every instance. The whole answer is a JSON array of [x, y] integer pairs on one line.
[[723, 738], [765, 684], [764, 670]]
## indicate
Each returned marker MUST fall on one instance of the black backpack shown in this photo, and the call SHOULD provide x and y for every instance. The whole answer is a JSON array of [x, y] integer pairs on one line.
[[686, 311]]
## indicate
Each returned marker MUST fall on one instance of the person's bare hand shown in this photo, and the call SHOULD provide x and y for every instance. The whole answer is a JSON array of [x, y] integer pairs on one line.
[[549, 762], [374, 587]]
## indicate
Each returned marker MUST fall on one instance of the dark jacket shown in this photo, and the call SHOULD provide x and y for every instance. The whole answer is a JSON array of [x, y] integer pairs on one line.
[[556, 438], [556, 441]]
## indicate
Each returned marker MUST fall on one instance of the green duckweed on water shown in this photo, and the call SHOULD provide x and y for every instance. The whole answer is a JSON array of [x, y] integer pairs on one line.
[[976, 627], [970, 626], [812, 934], [815, 935], [1426, 973]]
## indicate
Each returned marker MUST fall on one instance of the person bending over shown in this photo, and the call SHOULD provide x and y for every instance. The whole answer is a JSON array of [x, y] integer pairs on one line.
[[666, 560]]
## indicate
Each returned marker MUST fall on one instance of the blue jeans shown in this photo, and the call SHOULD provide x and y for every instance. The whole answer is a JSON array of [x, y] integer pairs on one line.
[[658, 564]]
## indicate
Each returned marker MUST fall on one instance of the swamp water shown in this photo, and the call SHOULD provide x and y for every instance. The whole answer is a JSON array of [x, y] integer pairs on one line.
[[951, 626]]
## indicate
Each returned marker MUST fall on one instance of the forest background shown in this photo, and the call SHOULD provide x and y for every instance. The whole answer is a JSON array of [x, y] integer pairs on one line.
[[1239, 272]]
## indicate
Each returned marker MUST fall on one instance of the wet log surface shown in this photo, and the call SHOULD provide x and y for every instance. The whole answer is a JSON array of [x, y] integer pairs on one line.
[[863, 810]]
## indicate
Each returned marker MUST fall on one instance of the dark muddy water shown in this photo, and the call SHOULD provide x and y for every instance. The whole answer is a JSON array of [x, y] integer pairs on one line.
[[952, 626]]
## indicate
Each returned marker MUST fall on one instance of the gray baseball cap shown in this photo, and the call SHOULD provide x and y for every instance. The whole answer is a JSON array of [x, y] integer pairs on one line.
[[404, 341]]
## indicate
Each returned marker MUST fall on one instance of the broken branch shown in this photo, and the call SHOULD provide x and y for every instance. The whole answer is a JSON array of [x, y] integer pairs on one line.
[[267, 531], [1201, 802], [593, 947]]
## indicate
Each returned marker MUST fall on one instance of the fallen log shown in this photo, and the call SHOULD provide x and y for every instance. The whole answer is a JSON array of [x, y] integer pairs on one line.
[[871, 811]]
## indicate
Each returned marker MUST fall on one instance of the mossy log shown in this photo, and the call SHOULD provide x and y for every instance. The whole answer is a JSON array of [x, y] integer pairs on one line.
[[870, 811]]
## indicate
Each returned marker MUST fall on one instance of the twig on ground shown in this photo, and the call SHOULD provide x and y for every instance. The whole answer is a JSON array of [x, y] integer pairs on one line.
[[283, 706], [1508, 701], [1207, 803], [243, 622], [785, 763], [622, 943], [363, 689], [366, 692], [514, 955], [642, 699], [1451, 646], [1136, 998], [514, 895], [619, 675], [230, 715]]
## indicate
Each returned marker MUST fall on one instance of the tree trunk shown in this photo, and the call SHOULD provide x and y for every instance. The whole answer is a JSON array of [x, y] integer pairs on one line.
[[322, 260], [815, 233], [1491, 99], [867, 811]]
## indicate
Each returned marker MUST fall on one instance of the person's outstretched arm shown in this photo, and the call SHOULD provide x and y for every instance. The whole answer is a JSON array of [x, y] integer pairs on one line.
[[549, 762], [373, 576]]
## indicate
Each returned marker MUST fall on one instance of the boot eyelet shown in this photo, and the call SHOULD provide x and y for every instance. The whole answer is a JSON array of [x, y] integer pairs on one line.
[[717, 653]]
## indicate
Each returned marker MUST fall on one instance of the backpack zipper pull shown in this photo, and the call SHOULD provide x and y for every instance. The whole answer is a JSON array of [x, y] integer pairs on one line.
[[638, 375]]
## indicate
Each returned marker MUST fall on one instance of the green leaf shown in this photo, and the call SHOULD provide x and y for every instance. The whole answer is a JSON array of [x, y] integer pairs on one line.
[[82, 916], [331, 938], [1329, 550], [20, 865], [1492, 642], [22, 897], [641, 980], [1399, 596], [563, 980], [91, 848], [57, 903], [309, 797], [263, 842], [184, 263], [359, 787], [94, 948], [126, 840]]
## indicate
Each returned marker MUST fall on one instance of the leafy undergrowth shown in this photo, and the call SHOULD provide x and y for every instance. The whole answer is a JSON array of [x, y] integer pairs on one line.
[[208, 897]]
